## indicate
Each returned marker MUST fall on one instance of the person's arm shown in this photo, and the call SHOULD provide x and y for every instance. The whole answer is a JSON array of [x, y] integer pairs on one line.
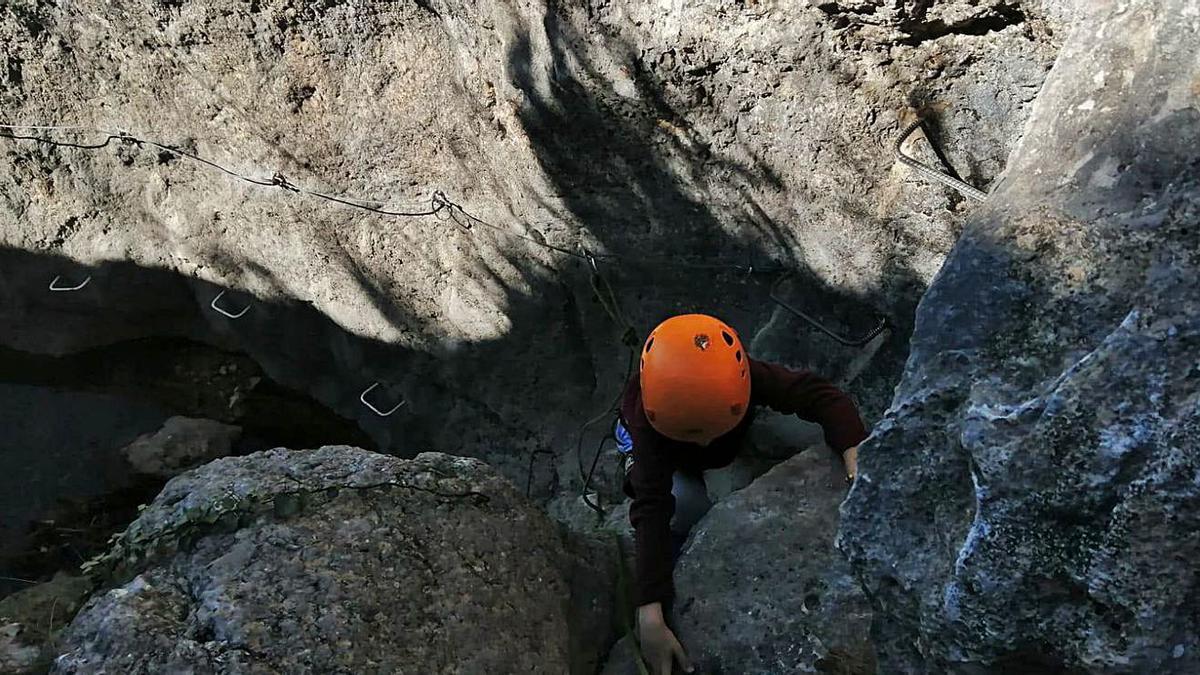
[[811, 397], [659, 645], [850, 459], [650, 514], [651, 511]]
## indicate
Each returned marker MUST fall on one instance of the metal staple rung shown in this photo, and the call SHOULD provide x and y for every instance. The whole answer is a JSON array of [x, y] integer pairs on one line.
[[363, 397], [231, 315], [67, 289]]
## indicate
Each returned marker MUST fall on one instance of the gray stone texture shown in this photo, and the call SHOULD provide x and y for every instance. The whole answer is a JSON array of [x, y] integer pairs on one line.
[[181, 444], [760, 587], [342, 560], [1031, 500], [663, 133], [32, 618]]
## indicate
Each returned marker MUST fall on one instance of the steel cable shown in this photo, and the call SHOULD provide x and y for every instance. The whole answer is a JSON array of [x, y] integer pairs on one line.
[[930, 172], [277, 180]]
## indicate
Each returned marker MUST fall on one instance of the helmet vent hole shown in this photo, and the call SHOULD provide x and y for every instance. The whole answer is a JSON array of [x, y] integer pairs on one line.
[[738, 356], [649, 344], [728, 338], [643, 364], [743, 372]]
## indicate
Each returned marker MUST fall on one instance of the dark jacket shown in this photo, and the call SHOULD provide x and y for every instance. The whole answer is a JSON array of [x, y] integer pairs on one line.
[[656, 457]]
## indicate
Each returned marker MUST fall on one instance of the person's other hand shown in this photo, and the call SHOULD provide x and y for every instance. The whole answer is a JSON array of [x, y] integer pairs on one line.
[[850, 459], [659, 645]]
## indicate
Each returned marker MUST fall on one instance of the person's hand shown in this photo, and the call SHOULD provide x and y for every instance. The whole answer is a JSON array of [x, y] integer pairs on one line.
[[659, 645], [850, 459]]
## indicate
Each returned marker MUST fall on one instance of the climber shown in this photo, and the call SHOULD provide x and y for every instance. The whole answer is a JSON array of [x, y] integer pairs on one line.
[[686, 410]]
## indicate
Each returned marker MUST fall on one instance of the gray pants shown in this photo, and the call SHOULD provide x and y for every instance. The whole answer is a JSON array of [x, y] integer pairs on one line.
[[691, 503], [691, 496]]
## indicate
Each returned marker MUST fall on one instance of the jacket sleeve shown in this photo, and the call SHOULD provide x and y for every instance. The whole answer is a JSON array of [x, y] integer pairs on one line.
[[649, 485], [809, 397], [650, 514]]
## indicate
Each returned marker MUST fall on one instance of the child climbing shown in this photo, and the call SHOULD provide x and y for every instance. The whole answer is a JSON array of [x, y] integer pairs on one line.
[[686, 410]]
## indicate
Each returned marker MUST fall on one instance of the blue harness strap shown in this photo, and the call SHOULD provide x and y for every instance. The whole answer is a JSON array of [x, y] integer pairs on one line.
[[624, 440]]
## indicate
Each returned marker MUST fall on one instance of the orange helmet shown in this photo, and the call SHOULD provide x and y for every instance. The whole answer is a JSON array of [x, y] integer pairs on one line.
[[695, 378]]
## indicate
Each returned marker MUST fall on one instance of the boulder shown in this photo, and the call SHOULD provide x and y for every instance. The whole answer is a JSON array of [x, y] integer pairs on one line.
[[182, 443], [19, 652], [760, 587], [31, 619], [342, 560], [1031, 500]]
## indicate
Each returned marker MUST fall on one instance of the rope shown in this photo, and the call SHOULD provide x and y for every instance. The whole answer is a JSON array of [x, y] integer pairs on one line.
[[930, 172], [612, 306], [884, 322], [438, 203], [586, 480], [455, 208], [277, 180]]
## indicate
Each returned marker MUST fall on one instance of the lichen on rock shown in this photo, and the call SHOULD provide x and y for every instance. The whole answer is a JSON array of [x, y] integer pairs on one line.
[[340, 559]]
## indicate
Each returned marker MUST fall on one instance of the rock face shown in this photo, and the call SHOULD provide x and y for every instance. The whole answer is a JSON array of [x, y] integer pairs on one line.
[[683, 142], [761, 588], [30, 620], [182, 443], [1031, 501], [341, 560]]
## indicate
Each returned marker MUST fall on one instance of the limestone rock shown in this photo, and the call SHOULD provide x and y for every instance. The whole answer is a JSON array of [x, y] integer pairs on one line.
[[1031, 500], [181, 444], [760, 587], [341, 560], [674, 137], [17, 654], [31, 619], [620, 660]]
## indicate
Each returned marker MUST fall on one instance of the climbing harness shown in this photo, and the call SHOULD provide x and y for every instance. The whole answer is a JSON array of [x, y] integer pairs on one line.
[[930, 172]]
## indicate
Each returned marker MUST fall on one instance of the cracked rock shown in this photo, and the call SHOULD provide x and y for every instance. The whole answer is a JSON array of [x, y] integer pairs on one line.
[[1031, 500], [342, 560]]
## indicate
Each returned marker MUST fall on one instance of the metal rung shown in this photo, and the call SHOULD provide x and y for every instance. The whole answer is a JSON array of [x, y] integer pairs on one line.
[[239, 315], [363, 397], [67, 289]]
